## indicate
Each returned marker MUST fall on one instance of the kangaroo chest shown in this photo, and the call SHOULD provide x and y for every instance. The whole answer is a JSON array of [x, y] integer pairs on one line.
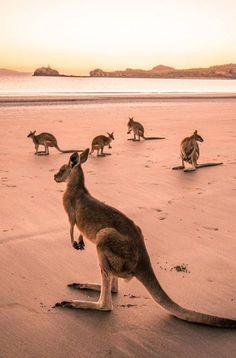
[[82, 217]]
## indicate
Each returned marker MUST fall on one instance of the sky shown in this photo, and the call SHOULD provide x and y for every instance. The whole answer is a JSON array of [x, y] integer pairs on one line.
[[76, 36]]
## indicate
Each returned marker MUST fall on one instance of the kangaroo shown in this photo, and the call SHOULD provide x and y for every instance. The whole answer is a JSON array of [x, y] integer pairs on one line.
[[48, 140], [100, 142], [120, 247], [189, 152], [138, 131]]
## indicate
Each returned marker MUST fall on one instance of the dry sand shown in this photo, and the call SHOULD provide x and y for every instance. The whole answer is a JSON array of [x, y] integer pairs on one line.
[[186, 218]]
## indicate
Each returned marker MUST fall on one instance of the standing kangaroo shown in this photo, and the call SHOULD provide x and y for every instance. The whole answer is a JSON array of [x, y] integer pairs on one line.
[[135, 127], [189, 152], [100, 142], [138, 130], [120, 247], [48, 140]]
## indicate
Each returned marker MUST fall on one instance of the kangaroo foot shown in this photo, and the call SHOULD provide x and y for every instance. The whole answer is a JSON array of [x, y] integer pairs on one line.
[[84, 305], [85, 286], [90, 286], [189, 170], [42, 153], [178, 167]]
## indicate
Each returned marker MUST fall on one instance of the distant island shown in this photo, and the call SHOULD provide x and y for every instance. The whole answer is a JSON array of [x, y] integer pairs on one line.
[[221, 71], [48, 71]]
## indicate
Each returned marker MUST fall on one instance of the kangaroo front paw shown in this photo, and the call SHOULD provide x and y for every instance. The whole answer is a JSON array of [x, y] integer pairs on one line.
[[78, 245]]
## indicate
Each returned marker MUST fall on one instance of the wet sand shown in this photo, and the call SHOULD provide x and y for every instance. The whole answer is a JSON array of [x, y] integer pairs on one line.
[[188, 221]]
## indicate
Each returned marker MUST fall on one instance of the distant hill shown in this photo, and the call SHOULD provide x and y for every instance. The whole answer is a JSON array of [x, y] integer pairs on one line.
[[7, 72], [161, 71]]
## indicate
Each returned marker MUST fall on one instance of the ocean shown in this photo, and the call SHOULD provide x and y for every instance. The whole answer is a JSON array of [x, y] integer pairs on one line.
[[27, 85]]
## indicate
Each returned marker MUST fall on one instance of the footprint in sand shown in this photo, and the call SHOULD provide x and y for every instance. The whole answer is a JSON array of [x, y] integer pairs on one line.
[[131, 296], [128, 305], [211, 228], [4, 180]]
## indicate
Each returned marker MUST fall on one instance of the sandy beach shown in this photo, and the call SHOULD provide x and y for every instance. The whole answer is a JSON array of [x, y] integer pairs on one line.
[[188, 220]]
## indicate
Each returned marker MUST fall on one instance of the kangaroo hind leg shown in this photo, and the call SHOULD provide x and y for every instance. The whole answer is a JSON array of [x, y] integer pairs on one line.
[[106, 262], [94, 286], [105, 300]]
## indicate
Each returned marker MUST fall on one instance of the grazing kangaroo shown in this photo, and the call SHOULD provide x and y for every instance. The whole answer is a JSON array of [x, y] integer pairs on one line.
[[48, 140], [100, 142], [120, 247], [138, 130], [189, 152]]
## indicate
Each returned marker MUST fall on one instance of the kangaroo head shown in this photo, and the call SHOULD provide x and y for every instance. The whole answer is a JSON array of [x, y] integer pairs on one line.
[[111, 135], [130, 123], [66, 170], [197, 136], [31, 134]]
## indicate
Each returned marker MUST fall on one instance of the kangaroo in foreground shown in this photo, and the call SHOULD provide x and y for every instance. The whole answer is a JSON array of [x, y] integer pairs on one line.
[[48, 140], [100, 142], [189, 152], [138, 130], [120, 247]]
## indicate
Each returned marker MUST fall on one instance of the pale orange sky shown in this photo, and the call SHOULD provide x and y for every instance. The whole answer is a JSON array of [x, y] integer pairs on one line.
[[76, 36]]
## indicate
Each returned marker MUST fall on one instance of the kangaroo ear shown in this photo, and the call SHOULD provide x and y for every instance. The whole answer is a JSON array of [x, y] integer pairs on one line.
[[84, 156], [74, 159], [195, 132]]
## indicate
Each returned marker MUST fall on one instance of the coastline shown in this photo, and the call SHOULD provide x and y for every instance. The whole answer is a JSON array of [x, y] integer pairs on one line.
[[93, 98]]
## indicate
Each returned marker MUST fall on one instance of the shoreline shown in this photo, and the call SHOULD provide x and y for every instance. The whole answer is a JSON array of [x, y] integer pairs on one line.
[[110, 98]]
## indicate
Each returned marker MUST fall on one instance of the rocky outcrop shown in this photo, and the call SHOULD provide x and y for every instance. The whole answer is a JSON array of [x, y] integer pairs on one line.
[[46, 71]]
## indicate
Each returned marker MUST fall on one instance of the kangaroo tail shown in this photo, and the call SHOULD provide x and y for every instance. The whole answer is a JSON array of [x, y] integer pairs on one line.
[[203, 165], [151, 283], [68, 151]]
